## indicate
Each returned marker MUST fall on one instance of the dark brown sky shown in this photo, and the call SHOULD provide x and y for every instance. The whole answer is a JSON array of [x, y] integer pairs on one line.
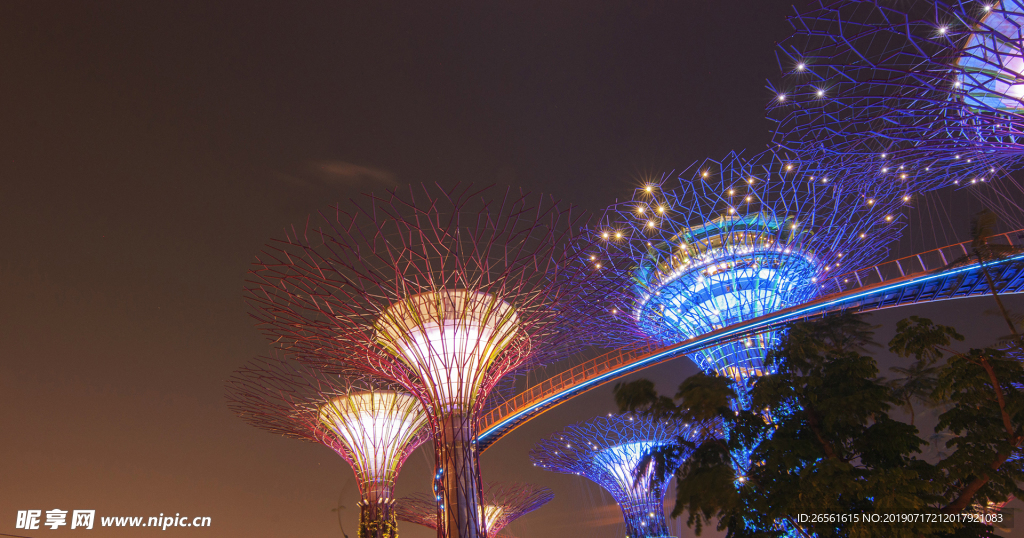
[[148, 149]]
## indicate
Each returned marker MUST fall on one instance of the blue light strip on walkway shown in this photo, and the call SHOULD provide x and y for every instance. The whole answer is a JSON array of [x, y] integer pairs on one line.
[[754, 324]]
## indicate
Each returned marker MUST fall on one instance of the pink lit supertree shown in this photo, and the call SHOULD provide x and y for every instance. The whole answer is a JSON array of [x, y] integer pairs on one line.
[[504, 502], [371, 423], [441, 291]]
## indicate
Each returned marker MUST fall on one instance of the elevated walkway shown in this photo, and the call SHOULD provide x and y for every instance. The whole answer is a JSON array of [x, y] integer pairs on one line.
[[936, 275]]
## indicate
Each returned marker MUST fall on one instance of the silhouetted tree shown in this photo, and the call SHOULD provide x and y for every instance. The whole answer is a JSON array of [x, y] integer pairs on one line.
[[821, 440]]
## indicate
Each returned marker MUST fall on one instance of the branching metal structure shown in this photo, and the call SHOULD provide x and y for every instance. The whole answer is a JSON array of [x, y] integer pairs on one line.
[[611, 452], [443, 292], [728, 241], [504, 502], [929, 91], [370, 422]]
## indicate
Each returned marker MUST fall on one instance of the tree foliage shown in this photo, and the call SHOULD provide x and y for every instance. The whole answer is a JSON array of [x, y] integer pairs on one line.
[[820, 438]]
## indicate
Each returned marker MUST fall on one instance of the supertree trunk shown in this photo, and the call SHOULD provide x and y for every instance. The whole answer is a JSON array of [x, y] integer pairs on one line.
[[647, 519], [458, 479], [367, 421], [503, 503], [611, 452], [377, 518]]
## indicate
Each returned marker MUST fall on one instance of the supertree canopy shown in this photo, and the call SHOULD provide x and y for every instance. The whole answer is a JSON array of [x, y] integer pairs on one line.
[[729, 241], [442, 292], [609, 451], [504, 502], [929, 91], [370, 422], [990, 78]]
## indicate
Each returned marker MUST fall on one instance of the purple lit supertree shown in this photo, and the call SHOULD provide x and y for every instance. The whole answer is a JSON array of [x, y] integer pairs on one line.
[[728, 241], [443, 292], [611, 452], [928, 91], [504, 502], [371, 423]]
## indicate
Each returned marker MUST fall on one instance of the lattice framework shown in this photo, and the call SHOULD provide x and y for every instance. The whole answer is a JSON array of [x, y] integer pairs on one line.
[[609, 451], [371, 423], [727, 241], [442, 291], [929, 90]]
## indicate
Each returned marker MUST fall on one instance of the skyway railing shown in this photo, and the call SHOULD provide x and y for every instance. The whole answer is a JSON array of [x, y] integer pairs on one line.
[[931, 260]]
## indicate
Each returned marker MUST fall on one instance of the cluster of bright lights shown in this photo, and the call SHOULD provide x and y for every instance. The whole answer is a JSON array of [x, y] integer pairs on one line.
[[609, 451]]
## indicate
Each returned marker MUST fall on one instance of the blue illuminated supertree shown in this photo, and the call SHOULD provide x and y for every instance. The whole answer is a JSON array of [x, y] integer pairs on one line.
[[930, 91], [729, 241], [609, 451]]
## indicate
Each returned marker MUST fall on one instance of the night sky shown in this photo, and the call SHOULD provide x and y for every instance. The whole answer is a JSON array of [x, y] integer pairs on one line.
[[148, 150]]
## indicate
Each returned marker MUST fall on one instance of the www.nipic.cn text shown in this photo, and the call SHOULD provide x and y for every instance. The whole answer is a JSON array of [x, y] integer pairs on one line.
[[86, 519]]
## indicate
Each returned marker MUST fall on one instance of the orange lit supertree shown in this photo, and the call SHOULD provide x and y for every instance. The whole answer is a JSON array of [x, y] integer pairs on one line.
[[441, 291], [372, 423], [504, 502]]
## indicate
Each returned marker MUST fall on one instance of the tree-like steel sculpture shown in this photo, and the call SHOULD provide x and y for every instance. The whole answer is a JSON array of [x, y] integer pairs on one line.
[[372, 423], [504, 502], [728, 241], [929, 92], [613, 452], [443, 292]]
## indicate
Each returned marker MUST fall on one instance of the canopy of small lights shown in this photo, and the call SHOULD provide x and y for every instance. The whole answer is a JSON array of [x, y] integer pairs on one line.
[[611, 451], [929, 92], [443, 292], [728, 241], [504, 502], [370, 422]]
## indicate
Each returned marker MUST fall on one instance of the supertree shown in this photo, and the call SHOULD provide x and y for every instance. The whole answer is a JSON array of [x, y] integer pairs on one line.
[[612, 452], [928, 92], [371, 423], [504, 502], [442, 291], [728, 241]]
